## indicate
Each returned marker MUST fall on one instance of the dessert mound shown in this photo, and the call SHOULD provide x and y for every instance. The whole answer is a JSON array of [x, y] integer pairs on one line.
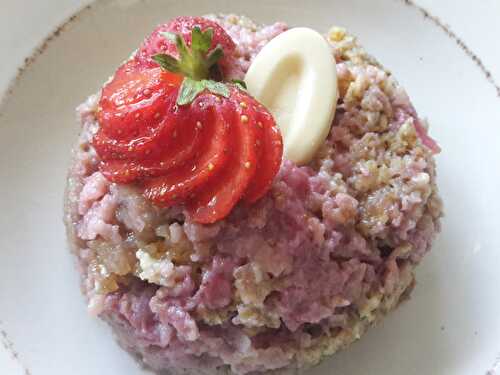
[[302, 273]]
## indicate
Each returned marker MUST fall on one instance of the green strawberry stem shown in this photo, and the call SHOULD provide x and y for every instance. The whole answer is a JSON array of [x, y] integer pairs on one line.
[[196, 64]]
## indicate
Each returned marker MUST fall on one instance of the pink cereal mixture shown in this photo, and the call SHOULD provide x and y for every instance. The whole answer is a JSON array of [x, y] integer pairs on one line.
[[327, 253]]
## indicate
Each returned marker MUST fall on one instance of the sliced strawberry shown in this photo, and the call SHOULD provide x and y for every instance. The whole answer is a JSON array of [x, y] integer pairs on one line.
[[221, 194], [176, 152], [136, 101], [120, 171], [109, 148], [213, 155], [270, 158], [134, 110], [156, 43], [186, 139], [183, 147]]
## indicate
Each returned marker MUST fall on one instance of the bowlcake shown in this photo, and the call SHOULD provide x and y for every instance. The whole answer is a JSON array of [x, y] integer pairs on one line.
[[300, 274]]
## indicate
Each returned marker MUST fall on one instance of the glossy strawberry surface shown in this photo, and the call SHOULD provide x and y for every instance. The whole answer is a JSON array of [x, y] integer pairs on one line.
[[183, 140], [157, 43]]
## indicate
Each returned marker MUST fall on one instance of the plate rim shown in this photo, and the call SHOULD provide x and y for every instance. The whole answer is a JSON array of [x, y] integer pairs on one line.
[[40, 48]]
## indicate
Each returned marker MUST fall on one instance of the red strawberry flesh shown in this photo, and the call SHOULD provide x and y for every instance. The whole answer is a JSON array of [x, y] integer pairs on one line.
[[156, 43], [186, 140], [218, 197]]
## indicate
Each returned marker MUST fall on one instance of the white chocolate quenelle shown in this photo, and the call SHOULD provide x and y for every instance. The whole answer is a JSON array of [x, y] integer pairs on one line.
[[295, 77]]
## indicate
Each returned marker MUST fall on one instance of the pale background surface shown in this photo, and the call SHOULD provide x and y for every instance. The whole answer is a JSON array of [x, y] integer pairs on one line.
[[25, 23], [31, 20]]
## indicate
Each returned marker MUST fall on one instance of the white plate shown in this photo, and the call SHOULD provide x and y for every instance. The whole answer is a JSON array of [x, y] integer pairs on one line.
[[451, 324]]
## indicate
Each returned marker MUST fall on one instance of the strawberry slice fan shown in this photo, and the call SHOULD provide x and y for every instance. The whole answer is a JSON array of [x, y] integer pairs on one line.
[[169, 124]]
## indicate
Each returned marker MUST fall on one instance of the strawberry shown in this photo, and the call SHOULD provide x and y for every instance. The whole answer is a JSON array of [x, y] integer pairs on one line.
[[271, 151], [184, 144], [220, 195], [133, 112], [183, 138], [156, 43], [211, 159], [137, 107]]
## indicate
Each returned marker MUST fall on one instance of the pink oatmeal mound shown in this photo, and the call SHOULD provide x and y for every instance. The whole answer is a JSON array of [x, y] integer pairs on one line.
[[328, 251]]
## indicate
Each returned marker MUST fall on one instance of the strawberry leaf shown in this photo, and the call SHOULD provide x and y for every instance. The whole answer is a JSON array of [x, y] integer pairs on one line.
[[184, 52], [167, 62], [201, 41], [196, 61], [217, 88], [191, 88], [215, 55], [240, 83]]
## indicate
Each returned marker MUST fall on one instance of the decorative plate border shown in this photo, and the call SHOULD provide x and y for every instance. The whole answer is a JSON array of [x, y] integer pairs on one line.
[[458, 40], [8, 345]]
